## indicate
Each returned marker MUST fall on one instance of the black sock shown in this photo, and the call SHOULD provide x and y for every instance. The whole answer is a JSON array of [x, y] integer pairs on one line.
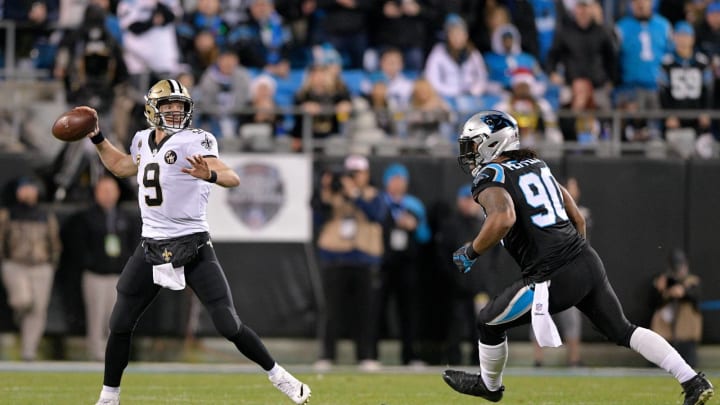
[[253, 348]]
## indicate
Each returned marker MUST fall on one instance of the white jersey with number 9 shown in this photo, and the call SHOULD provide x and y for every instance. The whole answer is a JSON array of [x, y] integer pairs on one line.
[[172, 203]]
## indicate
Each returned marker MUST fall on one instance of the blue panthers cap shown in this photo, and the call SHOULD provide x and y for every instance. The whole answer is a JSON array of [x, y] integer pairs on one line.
[[455, 20], [684, 27], [395, 169], [713, 7], [465, 191]]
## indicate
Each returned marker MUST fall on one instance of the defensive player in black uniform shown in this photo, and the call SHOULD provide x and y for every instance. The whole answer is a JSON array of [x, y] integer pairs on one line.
[[540, 225]]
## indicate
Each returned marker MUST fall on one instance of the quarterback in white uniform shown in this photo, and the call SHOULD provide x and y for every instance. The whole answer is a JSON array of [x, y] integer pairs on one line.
[[175, 167], [160, 175]]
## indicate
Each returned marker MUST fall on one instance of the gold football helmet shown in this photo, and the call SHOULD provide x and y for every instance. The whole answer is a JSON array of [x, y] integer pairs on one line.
[[166, 91]]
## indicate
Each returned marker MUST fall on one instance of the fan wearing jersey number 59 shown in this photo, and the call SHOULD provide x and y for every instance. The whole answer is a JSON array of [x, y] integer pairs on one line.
[[176, 166], [538, 222]]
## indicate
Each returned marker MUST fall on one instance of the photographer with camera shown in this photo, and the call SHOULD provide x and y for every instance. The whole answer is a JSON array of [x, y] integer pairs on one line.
[[677, 317], [348, 212]]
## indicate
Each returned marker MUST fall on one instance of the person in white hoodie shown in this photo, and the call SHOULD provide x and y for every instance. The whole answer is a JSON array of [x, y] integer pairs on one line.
[[455, 67]]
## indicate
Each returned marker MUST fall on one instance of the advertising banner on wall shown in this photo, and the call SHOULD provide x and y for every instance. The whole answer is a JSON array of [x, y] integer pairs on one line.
[[272, 203]]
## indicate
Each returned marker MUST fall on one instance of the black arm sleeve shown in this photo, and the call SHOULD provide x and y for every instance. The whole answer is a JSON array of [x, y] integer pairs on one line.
[[140, 27], [167, 14]]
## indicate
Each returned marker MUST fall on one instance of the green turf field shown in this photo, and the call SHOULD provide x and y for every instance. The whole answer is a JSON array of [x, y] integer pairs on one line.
[[74, 388]]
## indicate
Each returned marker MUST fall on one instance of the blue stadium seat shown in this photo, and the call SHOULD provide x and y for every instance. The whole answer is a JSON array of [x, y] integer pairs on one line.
[[471, 104], [288, 86], [353, 79], [552, 95]]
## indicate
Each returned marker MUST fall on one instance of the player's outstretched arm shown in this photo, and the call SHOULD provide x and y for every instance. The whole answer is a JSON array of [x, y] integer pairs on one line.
[[500, 212], [576, 217], [118, 162], [204, 167]]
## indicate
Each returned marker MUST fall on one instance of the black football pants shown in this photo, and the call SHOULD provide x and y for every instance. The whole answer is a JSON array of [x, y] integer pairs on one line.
[[582, 283], [136, 291]]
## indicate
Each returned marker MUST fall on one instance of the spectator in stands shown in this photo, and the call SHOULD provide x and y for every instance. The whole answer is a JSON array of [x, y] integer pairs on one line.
[[34, 21], [708, 42], [428, 112], [583, 126], [486, 17], [547, 19], [399, 87], [686, 82], [89, 61], [234, 12], [30, 240], [112, 24], [507, 56], [405, 232], [454, 67], [496, 13], [383, 109], [343, 24], [205, 17], [644, 38], [262, 104], [203, 55], [223, 90], [584, 49], [71, 15], [263, 42], [100, 239], [677, 317], [149, 39], [402, 24], [322, 102], [327, 56], [537, 121], [350, 250]]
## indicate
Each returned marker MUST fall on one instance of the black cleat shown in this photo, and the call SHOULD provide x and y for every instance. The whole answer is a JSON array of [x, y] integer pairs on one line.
[[471, 384], [697, 390]]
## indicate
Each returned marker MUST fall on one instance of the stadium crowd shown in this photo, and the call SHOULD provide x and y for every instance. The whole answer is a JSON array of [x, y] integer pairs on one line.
[[410, 69]]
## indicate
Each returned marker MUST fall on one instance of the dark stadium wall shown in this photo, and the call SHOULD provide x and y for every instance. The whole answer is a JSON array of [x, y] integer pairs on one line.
[[702, 242], [641, 210], [638, 217]]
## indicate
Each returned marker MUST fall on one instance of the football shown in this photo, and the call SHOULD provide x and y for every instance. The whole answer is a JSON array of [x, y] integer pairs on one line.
[[74, 125]]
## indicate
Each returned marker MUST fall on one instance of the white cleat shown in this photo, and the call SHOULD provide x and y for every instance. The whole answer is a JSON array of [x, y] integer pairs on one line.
[[291, 386]]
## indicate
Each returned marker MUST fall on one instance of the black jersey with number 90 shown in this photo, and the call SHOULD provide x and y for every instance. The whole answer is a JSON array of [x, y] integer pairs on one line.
[[543, 238]]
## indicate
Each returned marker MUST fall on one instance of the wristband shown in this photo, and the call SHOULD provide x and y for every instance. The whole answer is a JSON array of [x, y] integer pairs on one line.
[[471, 253], [213, 177], [98, 138]]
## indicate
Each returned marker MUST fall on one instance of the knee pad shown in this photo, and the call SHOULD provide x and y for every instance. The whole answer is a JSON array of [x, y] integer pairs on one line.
[[226, 321]]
